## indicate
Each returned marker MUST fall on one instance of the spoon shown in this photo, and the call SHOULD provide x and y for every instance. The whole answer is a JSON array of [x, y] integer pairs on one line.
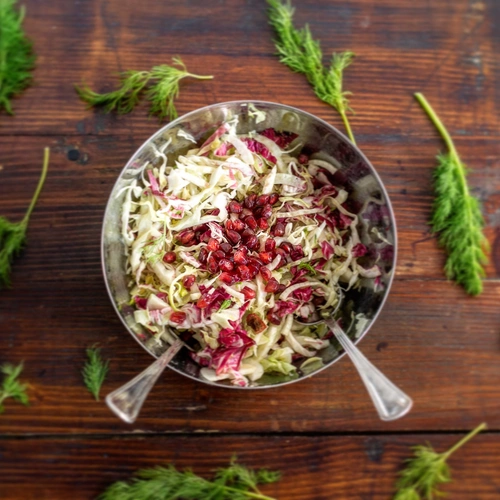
[[390, 401], [126, 401]]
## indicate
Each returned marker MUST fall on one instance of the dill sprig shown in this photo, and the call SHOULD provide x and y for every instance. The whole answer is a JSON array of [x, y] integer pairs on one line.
[[298, 50], [235, 482], [161, 87], [13, 235], [94, 371], [11, 387], [456, 214], [17, 59], [427, 470]]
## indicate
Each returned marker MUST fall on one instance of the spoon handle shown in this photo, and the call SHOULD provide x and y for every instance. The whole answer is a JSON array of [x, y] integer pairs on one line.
[[126, 401], [390, 402]]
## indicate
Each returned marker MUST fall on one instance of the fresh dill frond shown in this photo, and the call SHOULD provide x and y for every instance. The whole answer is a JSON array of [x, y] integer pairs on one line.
[[166, 89], [298, 50], [95, 370], [122, 100], [13, 234], [160, 86], [457, 217], [234, 482], [11, 387], [17, 59], [427, 470]]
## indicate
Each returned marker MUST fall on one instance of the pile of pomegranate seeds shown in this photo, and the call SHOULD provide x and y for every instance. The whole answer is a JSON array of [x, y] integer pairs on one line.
[[241, 258]]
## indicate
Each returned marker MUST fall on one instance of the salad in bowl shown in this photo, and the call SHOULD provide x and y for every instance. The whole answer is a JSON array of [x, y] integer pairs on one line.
[[234, 237]]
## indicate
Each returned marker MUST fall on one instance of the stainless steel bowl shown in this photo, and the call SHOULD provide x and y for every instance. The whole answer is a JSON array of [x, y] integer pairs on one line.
[[368, 199]]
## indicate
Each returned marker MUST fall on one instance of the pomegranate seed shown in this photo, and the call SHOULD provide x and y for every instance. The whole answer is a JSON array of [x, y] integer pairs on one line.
[[250, 201], [280, 251], [229, 225], [263, 224], [213, 245], [273, 318], [266, 274], [219, 255], [254, 321], [169, 257], [270, 245], [202, 302], [226, 265], [206, 236], [188, 281], [272, 285], [262, 200], [255, 262], [247, 232], [248, 292], [244, 272], [240, 257], [266, 257], [239, 225], [186, 237], [281, 289], [303, 158], [257, 213], [203, 255], [278, 229], [228, 278], [267, 211], [318, 301], [177, 317], [212, 265], [201, 228], [226, 247], [274, 198], [254, 270], [246, 212], [252, 242], [234, 207], [233, 236], [297, 253], [251, 222], [287, 247]]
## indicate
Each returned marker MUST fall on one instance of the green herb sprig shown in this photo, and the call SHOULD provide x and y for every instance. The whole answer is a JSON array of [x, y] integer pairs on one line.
[[13, 234], [11, 387], [94, 372], [456, 214], [427, 470], [298, 50], [160, 85], [307, 267], [234, 482], [17, 59]]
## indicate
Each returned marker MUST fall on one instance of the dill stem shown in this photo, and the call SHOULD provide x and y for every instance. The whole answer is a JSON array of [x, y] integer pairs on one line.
[[199, 77], [45, 167], [347, 125], [249, 494], [460, 443]]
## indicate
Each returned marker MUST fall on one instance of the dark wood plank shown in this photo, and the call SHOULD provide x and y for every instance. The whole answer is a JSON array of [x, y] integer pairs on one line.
[[66, 226], [444, 49], [439, 346], [313, 468]]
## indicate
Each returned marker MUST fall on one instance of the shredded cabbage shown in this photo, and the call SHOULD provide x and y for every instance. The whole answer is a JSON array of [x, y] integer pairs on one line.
[[234, 241]]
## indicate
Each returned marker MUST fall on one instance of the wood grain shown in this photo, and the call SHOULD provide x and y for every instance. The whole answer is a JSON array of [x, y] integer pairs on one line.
[[313, 468], [439, 345], [446, 358]]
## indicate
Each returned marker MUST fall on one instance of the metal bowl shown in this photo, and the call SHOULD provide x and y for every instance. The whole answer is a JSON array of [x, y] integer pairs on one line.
[[368, 199]]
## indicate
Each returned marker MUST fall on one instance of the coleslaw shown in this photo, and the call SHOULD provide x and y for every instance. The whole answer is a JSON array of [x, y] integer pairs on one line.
[[232, 242]]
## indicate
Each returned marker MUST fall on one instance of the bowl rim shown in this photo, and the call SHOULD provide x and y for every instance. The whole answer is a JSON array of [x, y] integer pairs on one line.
[[243, 102]]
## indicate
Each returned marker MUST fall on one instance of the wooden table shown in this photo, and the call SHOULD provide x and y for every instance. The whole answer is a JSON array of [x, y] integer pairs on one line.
[[438, 344]]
